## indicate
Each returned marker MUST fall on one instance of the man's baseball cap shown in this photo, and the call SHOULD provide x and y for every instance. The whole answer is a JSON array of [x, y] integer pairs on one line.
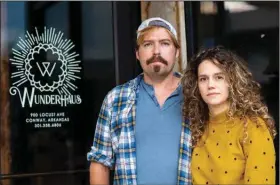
[[156, 21]]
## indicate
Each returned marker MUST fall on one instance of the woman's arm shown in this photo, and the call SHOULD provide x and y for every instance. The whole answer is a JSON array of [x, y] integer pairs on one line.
[[260, 153]]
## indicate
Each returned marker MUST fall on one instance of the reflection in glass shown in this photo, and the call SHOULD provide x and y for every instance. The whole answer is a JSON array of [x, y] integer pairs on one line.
[[97, 36], [16, 23], [234, 7], [56, 17], [48, 150]]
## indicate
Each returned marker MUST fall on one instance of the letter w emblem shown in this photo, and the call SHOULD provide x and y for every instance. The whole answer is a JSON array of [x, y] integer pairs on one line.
[[46, 66]]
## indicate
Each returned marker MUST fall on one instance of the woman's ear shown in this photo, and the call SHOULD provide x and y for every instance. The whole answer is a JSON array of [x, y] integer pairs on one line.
[[177, 53]]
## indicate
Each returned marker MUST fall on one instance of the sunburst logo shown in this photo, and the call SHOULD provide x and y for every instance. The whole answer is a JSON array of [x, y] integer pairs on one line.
[[45, 62]]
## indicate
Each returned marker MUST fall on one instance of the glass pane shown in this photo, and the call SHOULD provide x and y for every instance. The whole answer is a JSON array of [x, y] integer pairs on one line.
[[57, 16], [97, 45], [55, 133], [98, 62]]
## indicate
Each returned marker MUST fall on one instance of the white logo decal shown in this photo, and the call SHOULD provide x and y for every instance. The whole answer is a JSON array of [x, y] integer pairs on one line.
[[46, 63], [46, 68]]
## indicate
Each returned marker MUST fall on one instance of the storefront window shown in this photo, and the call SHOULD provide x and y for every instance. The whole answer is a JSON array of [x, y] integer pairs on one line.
[[58, 62], [60, 67]]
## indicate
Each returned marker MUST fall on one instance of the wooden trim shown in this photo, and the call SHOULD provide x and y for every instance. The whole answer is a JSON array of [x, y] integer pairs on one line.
[[46, 174], [5, 135], [183, 37], [145, 5], [178, 35]]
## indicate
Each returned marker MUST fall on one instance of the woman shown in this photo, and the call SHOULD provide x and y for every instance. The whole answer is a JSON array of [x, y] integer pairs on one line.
[[232, 132]]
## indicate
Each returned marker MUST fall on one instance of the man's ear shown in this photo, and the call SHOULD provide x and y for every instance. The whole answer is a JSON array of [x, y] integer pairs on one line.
[[137, 54]]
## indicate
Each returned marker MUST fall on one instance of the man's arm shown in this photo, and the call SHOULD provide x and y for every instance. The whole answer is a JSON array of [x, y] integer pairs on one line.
[[99, 174], [101, 154]]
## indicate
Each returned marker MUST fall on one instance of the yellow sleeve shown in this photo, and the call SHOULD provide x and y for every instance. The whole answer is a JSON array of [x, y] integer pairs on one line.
[[260, 153]]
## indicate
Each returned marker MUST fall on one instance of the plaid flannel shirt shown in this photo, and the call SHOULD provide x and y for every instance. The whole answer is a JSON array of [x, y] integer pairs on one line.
[[114, 140]]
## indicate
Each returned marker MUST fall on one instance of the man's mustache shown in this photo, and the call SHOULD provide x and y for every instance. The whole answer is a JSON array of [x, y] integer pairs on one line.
[[156, 58]]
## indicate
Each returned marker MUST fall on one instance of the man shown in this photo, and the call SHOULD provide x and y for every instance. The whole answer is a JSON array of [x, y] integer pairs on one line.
[[140, 132]]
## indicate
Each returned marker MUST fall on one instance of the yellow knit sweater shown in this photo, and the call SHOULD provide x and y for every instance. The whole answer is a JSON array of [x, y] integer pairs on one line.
[[223, 158]]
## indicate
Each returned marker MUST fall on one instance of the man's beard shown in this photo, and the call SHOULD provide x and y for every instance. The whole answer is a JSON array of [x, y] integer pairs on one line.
[[156, 58], [156, 68]]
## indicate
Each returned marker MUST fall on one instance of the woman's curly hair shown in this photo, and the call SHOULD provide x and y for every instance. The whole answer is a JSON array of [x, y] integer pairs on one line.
[[244, 93]]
